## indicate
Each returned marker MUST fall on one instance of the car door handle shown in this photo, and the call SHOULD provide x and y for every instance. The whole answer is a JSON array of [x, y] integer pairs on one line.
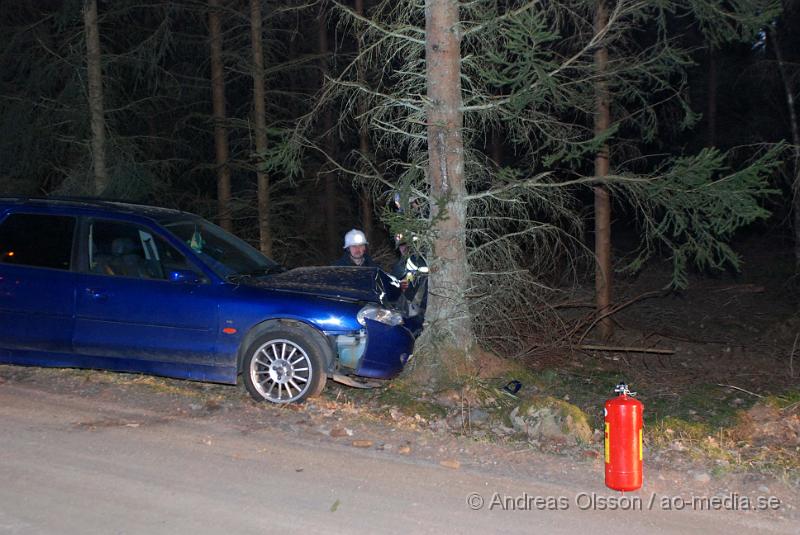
[[97, 294]]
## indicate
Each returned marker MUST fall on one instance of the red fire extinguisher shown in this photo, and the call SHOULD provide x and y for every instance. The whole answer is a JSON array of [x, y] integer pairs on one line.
[[623, 440]]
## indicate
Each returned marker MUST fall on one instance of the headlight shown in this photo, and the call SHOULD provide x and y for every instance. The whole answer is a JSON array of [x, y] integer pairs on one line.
[[376, 313]]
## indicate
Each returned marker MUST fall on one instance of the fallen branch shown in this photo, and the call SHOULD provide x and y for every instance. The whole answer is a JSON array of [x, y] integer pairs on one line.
[[627, 349], [741, 390], [743, 288], [617, 308], [790, 408], [573, 304], [686, 339]]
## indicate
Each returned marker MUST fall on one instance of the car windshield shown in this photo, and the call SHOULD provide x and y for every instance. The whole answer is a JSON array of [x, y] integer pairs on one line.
[[228, 256]]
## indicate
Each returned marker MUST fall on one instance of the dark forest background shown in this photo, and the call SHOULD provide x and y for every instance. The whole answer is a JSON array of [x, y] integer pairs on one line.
[[158, 112], [160, 129]]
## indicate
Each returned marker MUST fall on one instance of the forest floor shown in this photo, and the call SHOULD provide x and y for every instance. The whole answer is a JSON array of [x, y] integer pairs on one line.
[[723, 397]]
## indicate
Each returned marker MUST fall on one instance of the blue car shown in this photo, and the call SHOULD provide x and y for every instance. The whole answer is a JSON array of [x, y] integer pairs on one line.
[[118, 286]]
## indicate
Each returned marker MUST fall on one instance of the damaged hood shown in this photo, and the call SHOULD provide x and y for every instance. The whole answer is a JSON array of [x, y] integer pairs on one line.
[[346, 283]]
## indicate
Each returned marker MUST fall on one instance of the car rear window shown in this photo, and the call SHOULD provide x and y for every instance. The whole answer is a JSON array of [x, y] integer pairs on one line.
[[39, 240]]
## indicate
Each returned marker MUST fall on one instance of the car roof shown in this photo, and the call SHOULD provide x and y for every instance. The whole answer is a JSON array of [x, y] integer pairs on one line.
[[106, 205]]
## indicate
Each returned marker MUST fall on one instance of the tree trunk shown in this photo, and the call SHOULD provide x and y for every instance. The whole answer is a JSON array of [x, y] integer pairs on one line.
[[259, 109], [496, 147], [367, 216], [788, 90], [96, 113], [602, 200], [447, 312], [329, 191], [220, 132], [712, 99]]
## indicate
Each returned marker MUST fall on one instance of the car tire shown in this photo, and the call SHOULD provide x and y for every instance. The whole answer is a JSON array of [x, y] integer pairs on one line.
[[284, 365]]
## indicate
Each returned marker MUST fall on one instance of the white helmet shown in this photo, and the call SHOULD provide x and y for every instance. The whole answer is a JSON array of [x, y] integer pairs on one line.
[[354, 237]]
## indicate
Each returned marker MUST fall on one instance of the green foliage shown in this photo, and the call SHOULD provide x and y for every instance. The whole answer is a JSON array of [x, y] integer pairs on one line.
[[130, 178], [693, 206], [732, 20], [283, 154]]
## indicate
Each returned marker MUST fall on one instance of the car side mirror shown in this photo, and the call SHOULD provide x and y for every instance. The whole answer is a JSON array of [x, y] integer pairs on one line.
[[184, 275]]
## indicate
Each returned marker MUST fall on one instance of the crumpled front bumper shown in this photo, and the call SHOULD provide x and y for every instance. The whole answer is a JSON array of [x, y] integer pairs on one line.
[[386, 352]]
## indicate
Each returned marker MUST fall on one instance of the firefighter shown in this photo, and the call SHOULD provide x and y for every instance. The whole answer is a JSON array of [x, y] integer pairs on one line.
[[408, 262], [355, 251], [412, 272]]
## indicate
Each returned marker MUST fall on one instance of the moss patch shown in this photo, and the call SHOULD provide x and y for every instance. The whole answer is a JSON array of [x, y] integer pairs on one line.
[[410, 403], [548, 418]]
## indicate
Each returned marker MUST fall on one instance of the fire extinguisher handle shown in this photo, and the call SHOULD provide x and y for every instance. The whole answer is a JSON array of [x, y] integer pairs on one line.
[[622, 388]]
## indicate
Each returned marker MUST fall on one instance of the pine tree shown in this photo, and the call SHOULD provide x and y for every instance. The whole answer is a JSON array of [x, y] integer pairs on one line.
[[448, 75]]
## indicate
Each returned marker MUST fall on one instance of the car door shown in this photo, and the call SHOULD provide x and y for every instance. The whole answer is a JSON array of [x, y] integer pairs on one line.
[[37, 288], [127, 306]]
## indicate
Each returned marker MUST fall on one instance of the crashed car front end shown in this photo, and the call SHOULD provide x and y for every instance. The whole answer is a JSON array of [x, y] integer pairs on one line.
[[374, 339], [378, 351]]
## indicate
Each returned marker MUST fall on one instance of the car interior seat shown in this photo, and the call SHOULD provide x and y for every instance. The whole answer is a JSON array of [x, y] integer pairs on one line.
[[126, 260], [101, 261]]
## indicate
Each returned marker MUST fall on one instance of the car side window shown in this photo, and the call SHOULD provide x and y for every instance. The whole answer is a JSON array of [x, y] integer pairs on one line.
[[39, 240], [128, 250]]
